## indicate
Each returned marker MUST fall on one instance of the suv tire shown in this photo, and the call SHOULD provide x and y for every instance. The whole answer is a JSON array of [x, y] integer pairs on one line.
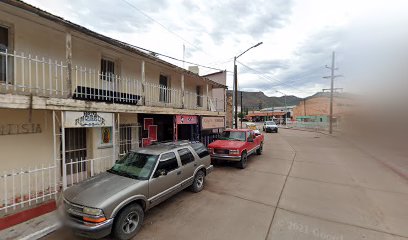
[[259, 150], [128, 222], [243, 163], [198, 183]]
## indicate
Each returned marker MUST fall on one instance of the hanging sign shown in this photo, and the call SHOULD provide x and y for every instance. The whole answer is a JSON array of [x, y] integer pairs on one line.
[[186, 119], [212, 122], [87, 119]]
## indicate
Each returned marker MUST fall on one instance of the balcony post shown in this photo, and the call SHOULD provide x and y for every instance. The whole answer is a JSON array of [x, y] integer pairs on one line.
[[182, 92], [143, 82], [68, 55], [207, 97]]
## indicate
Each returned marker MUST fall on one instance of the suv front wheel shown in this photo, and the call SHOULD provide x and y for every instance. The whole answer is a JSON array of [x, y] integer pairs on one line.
[[198, 183], [128, 222]]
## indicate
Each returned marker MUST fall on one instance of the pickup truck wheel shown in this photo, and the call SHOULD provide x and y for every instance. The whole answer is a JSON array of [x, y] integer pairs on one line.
[[259, 150], [198, 183], [128, 222], [243, 162]]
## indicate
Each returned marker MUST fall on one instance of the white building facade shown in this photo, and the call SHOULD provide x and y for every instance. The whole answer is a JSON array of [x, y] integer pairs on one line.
[[72, 101]]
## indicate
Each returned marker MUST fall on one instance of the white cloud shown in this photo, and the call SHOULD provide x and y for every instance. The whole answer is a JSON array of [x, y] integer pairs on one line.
[[298, 36]]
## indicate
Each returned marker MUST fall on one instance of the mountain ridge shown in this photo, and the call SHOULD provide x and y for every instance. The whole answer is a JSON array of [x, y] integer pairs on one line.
[[258, 100]]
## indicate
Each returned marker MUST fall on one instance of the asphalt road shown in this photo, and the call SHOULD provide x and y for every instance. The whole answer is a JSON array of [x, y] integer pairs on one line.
[[304, 186]]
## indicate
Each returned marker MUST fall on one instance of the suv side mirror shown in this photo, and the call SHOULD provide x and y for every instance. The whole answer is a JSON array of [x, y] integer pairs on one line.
[[250, 139]]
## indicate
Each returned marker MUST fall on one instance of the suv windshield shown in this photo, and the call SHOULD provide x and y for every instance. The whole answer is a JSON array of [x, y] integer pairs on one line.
[[230, 135], [135, 165], [270, 123]]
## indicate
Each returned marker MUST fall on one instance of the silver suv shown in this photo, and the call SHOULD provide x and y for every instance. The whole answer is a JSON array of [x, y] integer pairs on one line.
[[115, 201]]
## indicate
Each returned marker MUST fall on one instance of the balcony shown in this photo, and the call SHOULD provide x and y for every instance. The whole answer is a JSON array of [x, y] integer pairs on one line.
[[24, 74]]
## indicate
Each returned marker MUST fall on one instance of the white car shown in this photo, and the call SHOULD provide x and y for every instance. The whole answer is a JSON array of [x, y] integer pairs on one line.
[[270, 126], [253, 127]]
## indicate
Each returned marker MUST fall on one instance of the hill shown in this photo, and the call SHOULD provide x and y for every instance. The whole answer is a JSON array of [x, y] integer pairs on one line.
[[258, 100]]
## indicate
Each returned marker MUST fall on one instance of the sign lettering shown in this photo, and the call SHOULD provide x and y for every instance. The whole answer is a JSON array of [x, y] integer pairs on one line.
[[24, 128], [87, 119], [212, 122]]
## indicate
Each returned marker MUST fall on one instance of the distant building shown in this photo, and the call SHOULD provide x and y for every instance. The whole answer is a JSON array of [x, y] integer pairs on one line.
[[260, 116], [317, 107]]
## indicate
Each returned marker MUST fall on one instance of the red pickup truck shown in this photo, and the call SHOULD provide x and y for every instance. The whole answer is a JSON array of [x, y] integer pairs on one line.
[[236, 145]]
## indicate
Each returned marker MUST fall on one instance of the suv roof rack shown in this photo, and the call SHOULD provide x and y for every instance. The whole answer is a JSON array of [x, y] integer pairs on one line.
[[175, 144]]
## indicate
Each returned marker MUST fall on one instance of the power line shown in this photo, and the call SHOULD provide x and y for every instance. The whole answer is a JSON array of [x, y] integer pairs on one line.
[[170, 31], [269, 79], [173, 58], [163, 26]]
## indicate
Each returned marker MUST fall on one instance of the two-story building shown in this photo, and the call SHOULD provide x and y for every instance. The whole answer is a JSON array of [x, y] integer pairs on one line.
[[72, 101]]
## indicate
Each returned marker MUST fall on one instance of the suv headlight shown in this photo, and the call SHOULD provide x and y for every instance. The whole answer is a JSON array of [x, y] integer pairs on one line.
[[92, 211], [235, 151]]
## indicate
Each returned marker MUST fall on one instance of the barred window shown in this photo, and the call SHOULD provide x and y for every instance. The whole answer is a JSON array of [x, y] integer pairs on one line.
[[107, 69]]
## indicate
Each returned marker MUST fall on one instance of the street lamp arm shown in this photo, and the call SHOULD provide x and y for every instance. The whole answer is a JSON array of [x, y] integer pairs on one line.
[[256, 45], [235, 86]]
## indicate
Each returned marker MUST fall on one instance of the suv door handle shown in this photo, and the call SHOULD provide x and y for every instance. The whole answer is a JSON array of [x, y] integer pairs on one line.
[[179, 172]]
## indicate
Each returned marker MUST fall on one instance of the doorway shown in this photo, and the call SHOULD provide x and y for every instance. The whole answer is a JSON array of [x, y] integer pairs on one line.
[[75, 150], [185, 132], [164, 91]]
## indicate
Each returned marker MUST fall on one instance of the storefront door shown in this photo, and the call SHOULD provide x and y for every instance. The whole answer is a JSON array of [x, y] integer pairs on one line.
[[75, 150]]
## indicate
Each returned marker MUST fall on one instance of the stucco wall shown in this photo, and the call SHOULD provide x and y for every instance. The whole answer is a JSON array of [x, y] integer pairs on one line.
[[26, 149]]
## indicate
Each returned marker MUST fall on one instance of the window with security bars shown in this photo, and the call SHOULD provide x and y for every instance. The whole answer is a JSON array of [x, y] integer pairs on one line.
[[4, 35], [198, 92], [125, 138], [107, 69]]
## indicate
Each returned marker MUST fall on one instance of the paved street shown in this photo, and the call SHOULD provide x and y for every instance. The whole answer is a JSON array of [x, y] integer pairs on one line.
[[304, 186]]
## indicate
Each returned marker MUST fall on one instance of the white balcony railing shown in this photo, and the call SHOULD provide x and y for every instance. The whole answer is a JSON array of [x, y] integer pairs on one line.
[[21, 188], [25, 74]]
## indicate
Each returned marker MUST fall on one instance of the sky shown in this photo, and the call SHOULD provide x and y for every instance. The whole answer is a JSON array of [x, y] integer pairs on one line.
[[298, 37]]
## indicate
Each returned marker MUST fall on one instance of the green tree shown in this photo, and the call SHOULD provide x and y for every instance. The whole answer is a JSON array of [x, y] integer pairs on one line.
[[241, 115]]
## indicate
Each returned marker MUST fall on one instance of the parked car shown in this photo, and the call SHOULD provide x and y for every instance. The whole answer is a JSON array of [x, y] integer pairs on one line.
[[270, 126], [236, 145], [253, 126], [116, 201]]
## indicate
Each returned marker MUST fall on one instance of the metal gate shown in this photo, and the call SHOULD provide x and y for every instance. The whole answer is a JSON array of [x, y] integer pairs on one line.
[[76, 164], [128, 138], [71, 151]]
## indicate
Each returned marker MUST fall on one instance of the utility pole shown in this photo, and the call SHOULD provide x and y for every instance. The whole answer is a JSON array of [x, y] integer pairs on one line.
[[286, 112], [286, 108], [334, 89], [242, 107], [332, 77], [235, 84], [235, 93]]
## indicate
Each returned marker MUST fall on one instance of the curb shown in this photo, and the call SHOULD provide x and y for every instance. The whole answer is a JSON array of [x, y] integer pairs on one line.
[[43, 232]]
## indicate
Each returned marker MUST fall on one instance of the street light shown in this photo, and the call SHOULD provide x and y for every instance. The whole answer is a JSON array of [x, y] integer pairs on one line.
[[235, 85], [286, 110]]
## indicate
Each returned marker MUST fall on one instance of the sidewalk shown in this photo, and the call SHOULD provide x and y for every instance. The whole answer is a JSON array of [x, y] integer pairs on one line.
[[33, 229]]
